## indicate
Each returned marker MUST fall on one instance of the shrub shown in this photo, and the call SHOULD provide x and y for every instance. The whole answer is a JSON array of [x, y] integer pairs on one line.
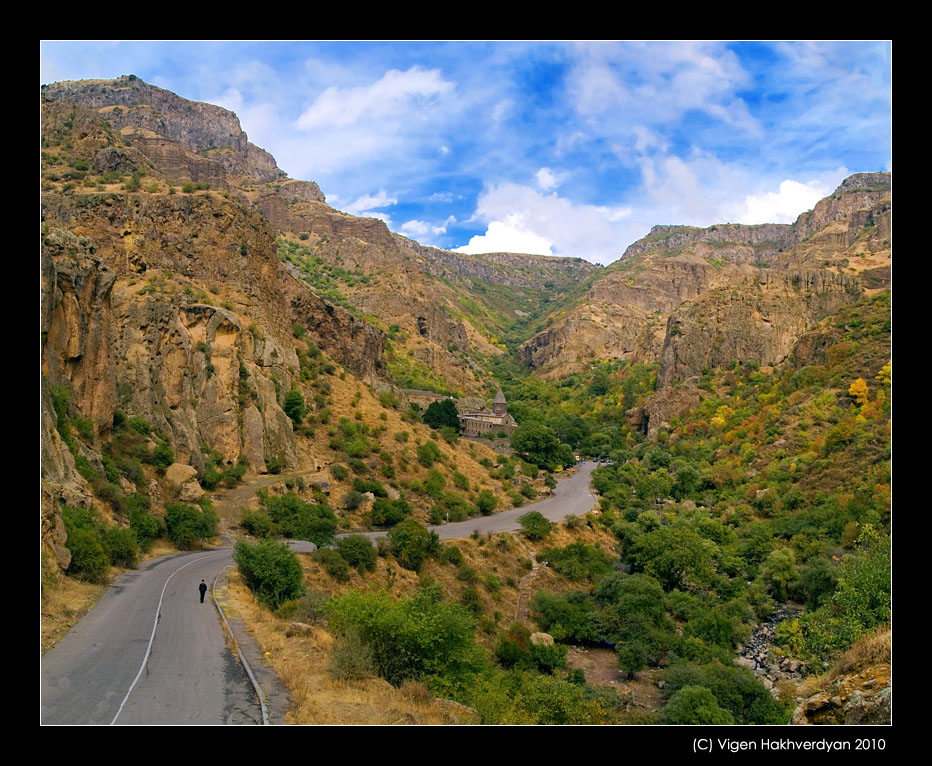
[[271, 571], [301, 520], [144, 525], [419, 638], [294, 406], [486, 502], [339, 472], [358, 551], [188, 525], [120, 543], [535, 526], [450, 554], [695, 705], [386, 513], [428, 453], [351, 658], [333, 562], [259, 524], [89, 560], [411, 544]]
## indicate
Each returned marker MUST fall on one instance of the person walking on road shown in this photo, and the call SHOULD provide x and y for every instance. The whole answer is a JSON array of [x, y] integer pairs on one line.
[[203, 589]]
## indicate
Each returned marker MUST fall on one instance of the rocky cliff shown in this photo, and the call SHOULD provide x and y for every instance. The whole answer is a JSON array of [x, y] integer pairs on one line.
[[761, 281], [134, 107]]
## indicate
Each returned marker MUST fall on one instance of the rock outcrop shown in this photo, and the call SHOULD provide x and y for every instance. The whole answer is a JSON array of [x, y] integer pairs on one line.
[[134, 106], [641, 307], [659, 409], [857, 691], [757, 322]]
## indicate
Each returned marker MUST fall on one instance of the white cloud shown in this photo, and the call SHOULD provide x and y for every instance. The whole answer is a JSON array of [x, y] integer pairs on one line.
[[364, 205], [785, 205], [419, 230], [522, 219], [545, 179], [659, 82], [502, 109], [507, 237], [390, 97]]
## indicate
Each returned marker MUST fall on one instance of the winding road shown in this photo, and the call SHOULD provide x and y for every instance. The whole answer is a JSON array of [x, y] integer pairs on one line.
[[150, 653]]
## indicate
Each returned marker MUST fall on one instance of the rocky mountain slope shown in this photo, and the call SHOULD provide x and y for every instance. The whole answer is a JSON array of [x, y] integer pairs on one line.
[[169, 298], [693, 298]]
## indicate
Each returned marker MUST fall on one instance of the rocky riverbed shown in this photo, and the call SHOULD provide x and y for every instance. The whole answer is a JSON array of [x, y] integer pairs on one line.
[[760, 655]]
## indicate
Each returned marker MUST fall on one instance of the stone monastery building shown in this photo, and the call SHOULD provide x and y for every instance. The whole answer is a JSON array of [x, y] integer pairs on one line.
[[488, 424]]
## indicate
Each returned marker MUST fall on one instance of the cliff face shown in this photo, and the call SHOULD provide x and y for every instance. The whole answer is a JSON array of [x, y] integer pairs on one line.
[[135, 107], [130, 324], [758, 321], [680, 280]]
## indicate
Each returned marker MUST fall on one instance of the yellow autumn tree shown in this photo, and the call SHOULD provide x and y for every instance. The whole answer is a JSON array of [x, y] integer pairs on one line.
[[858, 390], [886, 373]]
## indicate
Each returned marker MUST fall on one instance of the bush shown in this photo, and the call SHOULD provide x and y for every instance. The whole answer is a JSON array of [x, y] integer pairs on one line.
[[486, 502], [333, 562], [339, 472], [120, 543], [351, 658], [271, 571], [419, 638], [259, 524], [294, 406], [535, 526], [301, 520], [411, 544], [428, 453], [387, 513], [89, 560], [188, 525], [358, 551], [695, 705]]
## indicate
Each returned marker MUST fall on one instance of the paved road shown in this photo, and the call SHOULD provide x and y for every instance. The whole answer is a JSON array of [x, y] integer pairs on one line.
[[112, 667]]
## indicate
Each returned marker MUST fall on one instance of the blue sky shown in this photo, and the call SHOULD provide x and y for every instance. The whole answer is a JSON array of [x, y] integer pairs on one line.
[[563, 148]]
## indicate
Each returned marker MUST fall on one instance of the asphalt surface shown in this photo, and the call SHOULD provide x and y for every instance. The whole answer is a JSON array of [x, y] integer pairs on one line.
[[150, 652]]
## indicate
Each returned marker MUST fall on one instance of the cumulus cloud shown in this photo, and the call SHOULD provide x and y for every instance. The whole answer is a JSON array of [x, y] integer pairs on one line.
[[507, 237], [400, 115], [522, 219], [785, 205]]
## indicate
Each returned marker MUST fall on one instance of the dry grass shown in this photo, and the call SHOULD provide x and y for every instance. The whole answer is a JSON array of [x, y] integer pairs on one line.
[[873, 649], [63, 603]]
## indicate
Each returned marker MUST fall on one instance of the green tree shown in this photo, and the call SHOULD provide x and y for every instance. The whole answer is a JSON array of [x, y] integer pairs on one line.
[[695, 705], [271, 571], [486, 502], [442, 413], [411, 544], [419, 638], [539, 444], [428, 453], [535, 526], [188, 525], [294, 406], [358, 552]]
